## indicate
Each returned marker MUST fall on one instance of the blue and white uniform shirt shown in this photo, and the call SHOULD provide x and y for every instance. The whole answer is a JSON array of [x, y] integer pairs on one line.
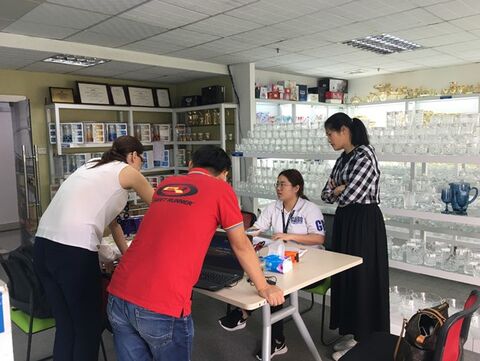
[[306, 219]]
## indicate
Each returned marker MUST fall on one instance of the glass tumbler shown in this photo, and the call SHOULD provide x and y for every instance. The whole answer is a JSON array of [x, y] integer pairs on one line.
[[414, 251]]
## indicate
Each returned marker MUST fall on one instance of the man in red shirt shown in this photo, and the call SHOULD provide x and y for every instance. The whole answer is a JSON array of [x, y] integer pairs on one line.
[[150, 293]]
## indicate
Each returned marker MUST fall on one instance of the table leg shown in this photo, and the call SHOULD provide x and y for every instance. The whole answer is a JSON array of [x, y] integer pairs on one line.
[[267, 332], [302, 328]]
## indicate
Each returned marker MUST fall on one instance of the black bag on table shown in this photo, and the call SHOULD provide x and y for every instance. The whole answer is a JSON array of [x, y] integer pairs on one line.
[[421, 333]]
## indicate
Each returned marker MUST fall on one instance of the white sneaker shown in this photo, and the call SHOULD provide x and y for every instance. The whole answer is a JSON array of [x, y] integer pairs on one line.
[[338, 355], [344, 345]]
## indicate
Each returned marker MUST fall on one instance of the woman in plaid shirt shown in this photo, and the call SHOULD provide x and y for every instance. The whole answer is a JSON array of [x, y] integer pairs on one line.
[[360, 297]]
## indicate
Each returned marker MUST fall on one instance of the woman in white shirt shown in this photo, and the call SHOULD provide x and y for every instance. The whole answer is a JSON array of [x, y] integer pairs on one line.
[[65, 250], [291, 218]]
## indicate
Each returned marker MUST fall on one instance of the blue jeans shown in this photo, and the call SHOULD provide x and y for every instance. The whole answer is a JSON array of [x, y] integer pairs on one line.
[[143, 335]]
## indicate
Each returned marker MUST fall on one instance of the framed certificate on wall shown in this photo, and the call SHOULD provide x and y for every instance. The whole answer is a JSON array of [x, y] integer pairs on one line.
[[163, 97], [118, 94], [93, 93], [141, 97]]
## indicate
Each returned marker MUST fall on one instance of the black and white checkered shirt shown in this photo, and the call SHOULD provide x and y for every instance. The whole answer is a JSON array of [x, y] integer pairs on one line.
[[359, 171]]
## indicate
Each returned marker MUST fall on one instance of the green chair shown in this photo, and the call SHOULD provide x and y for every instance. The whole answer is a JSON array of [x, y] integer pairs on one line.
[[321, 288]]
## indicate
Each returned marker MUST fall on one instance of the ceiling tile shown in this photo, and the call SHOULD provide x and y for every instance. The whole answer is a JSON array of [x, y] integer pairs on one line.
[[455, 9], [50, 68], [368, 9], [428, 31], [111, 7], [446, 39], [329, 50], [196, 53], [299, 43], [267, 12], [415, 54], [183, 38], [283, 59], [15, 9], [222, 25], [93, 38], [128, 29], [16, 58], [228, 59], [466, 50], [256, 54], [161, 14], [405, 20], [40, 30], [210, 7], [427, 2], [468, 23], [57, 15], [228, 45], [152, 47], [347, 32], [439, 61], [308, 24], [262, 36], [4, 23]]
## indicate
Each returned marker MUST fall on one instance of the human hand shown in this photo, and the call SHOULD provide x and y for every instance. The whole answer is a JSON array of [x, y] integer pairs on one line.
[[273, 295], [331, 183], [338, 190], [281, 237]]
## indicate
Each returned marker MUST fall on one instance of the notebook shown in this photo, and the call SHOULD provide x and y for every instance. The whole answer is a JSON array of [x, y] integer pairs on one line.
[[220, 267]]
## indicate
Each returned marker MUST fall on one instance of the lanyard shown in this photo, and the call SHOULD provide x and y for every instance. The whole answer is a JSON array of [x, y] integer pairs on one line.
[[285, 226]]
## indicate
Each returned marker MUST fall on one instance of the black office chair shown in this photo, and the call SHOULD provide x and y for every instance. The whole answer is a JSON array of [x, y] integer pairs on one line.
[[452, 336], [321, 288], [249, 219]]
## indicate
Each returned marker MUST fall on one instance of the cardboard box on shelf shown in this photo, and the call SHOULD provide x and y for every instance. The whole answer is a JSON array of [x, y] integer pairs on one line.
[[302, 93], [273, 95], [333, 85]]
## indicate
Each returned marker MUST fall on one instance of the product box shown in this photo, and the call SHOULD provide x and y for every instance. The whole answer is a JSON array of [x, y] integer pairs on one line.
[[333, 85], [302, 93], [273, 95], [147, 159], [191, 101], [263, 92], [312, 97], [334, 97], [213, 94]]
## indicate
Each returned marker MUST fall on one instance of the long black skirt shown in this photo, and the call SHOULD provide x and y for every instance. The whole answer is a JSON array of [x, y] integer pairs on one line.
[[360, 296]]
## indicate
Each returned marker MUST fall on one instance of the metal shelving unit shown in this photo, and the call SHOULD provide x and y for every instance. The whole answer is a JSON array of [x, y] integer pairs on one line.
[[469, 102]]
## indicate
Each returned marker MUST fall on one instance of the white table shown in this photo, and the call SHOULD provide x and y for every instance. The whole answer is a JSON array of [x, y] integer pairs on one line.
[[314, 266]]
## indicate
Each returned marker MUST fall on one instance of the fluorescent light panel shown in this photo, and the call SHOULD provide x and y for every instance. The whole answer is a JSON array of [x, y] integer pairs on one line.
[[83, 61], [382, 44]]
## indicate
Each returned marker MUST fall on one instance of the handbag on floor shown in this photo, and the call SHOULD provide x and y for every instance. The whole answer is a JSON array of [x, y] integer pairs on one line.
[[421, 332]]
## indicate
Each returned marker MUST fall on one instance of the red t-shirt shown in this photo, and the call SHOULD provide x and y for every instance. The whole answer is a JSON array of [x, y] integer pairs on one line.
[[164, 260]]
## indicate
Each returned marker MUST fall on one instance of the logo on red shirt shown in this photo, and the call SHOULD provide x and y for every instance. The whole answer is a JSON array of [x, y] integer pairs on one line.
[[177, 190]]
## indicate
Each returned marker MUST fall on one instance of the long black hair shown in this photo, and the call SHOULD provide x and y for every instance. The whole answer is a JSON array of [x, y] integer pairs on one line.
[[120, 149], [357, 128], [295, 177]]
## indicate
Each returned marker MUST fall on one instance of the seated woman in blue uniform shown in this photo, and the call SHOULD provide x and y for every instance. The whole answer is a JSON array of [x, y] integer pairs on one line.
[[291, 218]]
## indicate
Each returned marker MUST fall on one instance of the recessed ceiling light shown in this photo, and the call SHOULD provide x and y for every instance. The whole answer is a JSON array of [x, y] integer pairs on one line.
[[357, 71], [77, 60], [382, 44]]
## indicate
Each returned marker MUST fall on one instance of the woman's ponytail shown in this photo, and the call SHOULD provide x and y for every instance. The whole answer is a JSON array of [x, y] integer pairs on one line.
[[359, 133]]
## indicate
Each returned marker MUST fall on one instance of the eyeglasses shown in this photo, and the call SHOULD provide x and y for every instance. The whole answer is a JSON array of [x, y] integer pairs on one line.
[[139, 156], [281, 185]]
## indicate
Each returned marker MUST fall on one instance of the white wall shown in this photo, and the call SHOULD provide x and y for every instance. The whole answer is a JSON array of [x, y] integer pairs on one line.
[[8, 188], [268, 77], [436, 78]]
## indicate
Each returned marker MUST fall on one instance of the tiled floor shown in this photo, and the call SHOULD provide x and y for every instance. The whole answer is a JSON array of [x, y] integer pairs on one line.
[[240, 345]]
